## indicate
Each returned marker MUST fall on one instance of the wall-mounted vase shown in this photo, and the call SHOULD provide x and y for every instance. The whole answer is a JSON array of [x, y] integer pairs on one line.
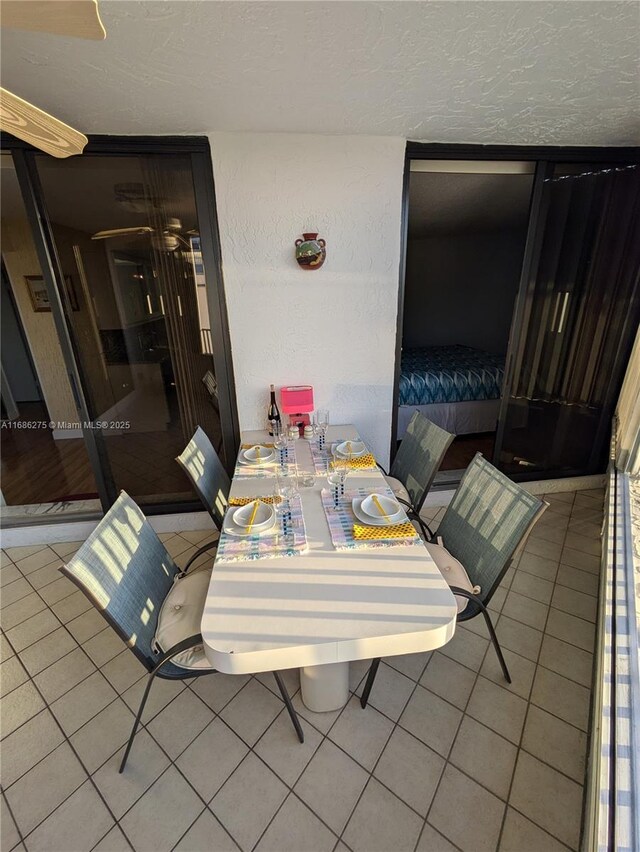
[[310, 251]]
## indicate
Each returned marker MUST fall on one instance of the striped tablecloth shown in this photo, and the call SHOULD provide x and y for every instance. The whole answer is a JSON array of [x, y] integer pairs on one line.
[[285, 460], [322, 459], [288, 537], [344, 526]]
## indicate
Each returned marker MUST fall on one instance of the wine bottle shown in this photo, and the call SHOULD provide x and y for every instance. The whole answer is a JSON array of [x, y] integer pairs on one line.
[[273, 414]]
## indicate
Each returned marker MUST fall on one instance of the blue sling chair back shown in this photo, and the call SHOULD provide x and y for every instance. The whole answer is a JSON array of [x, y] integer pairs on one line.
[[126, 572], [484, 527]]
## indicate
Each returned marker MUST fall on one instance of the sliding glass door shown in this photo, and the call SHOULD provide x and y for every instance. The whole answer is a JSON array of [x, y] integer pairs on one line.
[[128, 242], [126, 238], [576, 317]]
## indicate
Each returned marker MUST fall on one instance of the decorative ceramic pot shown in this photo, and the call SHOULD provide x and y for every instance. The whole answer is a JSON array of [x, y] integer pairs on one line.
[[310, 251]]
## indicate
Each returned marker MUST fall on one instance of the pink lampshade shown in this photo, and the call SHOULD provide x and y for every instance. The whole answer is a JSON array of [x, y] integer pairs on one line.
[[296, 399]]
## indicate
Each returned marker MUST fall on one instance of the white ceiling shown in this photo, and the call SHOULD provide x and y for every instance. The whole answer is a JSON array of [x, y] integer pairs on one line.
[[484, 72]]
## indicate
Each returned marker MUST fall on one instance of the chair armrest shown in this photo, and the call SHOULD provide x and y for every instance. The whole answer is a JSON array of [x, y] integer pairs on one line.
[[210, 546], [183, 645]]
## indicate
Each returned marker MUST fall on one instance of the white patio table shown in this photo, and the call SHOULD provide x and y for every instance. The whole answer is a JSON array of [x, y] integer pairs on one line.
[[319, 610]]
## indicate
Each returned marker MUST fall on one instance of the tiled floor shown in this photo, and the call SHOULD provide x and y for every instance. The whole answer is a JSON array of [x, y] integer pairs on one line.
[[446, 756]]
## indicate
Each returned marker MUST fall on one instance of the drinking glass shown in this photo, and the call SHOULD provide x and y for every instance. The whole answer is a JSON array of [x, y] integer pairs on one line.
[[305, 478], [287, 487], [322, 421], [280, 440], [341, 468]]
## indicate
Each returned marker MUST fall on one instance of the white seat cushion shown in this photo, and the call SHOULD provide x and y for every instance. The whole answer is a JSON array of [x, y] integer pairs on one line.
[[453, 572], [180, 617], [398, 488]]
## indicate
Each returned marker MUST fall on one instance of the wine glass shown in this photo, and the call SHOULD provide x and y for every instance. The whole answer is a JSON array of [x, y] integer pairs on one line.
[[322, 421], [279, 440]]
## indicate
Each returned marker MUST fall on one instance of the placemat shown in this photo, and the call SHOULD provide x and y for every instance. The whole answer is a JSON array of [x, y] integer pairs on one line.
[[348, 533], [288, 538], [285, 460], [242, 501], [323, 458]]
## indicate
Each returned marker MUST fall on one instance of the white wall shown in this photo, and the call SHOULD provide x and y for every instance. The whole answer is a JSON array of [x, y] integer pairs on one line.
[[334, 327]]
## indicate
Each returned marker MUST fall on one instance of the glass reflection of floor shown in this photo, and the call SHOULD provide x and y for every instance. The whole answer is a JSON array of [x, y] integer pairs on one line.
[[43, 476]]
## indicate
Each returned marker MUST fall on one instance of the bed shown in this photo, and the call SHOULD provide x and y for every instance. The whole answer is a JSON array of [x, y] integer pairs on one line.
[[457, 387]]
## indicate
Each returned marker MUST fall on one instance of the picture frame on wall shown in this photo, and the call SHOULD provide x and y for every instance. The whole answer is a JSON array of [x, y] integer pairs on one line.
[[40, 297]]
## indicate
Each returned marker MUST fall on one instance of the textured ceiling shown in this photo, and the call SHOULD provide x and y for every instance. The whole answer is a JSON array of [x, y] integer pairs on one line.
[[484, 72]]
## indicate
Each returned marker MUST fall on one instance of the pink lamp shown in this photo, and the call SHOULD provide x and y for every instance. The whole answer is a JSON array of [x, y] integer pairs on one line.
[[297, 402]]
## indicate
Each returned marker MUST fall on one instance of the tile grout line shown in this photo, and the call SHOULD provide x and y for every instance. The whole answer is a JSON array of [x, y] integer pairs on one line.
[[453, 741], [324, 736], [77, 756], [368, 781], [526, 717]]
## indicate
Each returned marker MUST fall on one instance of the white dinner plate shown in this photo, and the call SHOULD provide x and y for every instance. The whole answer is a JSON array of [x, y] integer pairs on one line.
[[263, 518], [358, 448], [399, 518], [231, 528], [251, 457]]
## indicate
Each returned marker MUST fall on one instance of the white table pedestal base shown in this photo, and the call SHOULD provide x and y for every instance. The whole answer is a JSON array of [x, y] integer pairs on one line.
[[325, 687]]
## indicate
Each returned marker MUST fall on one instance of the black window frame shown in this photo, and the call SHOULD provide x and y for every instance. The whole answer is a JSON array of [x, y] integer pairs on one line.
[[199, 150]]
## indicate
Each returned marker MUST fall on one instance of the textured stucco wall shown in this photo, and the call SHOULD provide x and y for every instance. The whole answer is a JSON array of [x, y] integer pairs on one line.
[[335, 327]]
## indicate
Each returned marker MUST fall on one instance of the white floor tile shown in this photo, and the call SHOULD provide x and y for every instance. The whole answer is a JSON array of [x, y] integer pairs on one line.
[[474, 827], [432, 720], [18, 707], [164, 813], [521, 835], [448, 679], [548, 798], [247, 802], [331, 785], [211, 758], [399, 830], [175, 727], [69, 827], [34, 796], [96, 741], [206, 833], [498, 709], [295, 827], [363, 734], [146, 763], [410, 769], [485, 756], [280, 749], [251, 712]]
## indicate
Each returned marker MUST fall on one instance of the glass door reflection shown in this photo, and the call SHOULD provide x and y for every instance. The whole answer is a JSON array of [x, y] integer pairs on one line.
[[126, 231]]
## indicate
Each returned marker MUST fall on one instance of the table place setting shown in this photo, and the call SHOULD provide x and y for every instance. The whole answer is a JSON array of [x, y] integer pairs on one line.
[[355, 454], [262, 460], [262, 528], [361, 518]]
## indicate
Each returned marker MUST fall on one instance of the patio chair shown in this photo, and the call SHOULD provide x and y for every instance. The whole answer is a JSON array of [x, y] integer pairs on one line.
[[126, 572], [210, 480], [484, 527], [416, 464]]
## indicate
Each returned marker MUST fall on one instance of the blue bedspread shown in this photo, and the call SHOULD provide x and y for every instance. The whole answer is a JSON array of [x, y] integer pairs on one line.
[[449, 374]]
